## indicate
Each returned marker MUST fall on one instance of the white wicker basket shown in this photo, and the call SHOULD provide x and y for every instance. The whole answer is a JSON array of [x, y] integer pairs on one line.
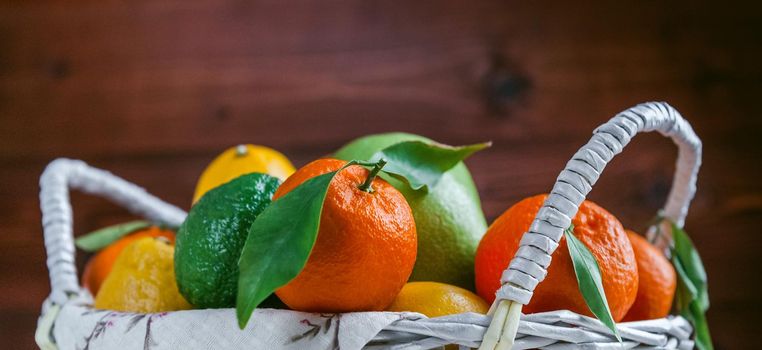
[[69, 322]]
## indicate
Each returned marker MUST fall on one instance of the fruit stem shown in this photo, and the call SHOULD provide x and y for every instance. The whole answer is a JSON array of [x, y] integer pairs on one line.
[[365, 186], [241, 150]]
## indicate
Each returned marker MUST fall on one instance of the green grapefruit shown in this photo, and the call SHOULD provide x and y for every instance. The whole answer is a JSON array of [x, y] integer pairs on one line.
[[448, 217]]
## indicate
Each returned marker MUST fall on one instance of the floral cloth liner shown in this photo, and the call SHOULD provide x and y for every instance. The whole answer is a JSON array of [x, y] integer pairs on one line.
[[79, 326]]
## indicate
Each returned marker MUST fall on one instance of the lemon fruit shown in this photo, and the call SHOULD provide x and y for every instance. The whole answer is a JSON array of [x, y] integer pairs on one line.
[[435, 299], [209, 242], [142, 280], [449, 218], [240, 160]]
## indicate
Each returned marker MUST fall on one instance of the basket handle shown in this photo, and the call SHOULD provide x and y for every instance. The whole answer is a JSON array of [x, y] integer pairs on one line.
[[529, 266], [61, 175]]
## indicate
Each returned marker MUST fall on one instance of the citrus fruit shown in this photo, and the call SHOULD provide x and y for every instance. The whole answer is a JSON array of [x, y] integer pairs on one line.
[[656, 281], [600, 231], [142, 280], [365, 248], [210, 240], [449, 218], [239, 160], [435, 299], [100, 265]]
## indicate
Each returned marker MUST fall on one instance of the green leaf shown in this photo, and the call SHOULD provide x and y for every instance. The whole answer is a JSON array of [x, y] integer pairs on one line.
[[692, 295], [101, 238], [691, 261], [589, 280], [701, 327], [280, 241], [690, 291], [421, 164]]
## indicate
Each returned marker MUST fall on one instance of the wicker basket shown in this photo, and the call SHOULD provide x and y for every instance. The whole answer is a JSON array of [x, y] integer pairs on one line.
[[69, 322]]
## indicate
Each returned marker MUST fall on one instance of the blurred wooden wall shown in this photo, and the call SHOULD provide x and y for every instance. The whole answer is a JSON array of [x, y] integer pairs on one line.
[[153, 90]]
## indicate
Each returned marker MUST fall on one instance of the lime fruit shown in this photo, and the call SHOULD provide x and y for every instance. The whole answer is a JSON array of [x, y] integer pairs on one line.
[[210, 240], [449, 218]]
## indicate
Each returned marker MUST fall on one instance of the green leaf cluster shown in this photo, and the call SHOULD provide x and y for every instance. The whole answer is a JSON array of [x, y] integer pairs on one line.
[[281, 238]]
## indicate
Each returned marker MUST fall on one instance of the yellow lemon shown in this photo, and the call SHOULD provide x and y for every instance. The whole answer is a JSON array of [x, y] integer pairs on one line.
[[142, 279], [240, 160], [435, 299]]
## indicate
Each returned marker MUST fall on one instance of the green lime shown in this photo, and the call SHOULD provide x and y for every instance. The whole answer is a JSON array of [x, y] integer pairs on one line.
[[449, 218], [209, 242]]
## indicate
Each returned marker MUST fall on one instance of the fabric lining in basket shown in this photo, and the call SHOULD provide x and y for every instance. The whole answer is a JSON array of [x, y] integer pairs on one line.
[[79, 326]]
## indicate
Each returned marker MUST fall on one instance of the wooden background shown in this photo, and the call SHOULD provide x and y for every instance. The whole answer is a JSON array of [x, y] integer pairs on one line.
[[153, 90]]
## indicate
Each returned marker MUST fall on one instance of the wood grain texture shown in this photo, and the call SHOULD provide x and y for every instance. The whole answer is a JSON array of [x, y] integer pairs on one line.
[[152, 90]]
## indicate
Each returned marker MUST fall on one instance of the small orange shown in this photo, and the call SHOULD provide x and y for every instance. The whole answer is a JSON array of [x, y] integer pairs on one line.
[[600, 231], [365, 248], [99, 266], [657, 281]]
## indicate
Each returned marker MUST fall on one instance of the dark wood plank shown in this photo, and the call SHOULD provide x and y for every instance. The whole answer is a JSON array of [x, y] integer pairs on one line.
[[153, 90]]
